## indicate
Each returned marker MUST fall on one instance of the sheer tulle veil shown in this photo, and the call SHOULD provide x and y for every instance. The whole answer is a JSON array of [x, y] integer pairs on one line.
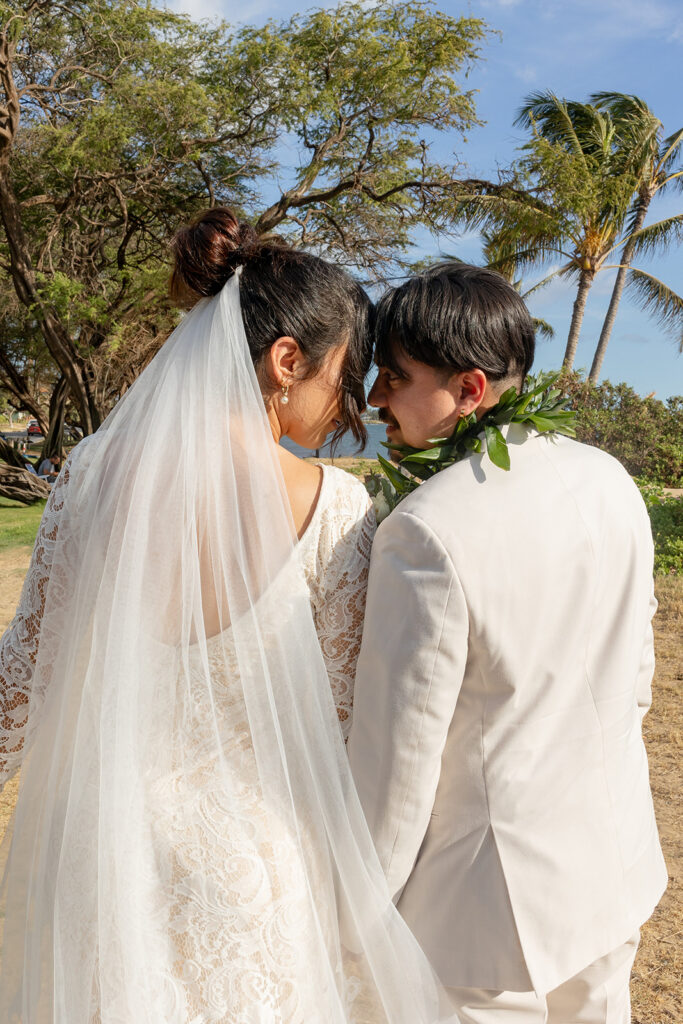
[[180, 668]]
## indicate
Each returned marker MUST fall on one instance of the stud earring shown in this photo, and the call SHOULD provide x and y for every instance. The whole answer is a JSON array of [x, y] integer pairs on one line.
[[285, 393]]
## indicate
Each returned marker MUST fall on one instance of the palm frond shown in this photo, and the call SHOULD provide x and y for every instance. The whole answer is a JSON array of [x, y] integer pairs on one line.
[[562, 271], [556, 119], [620, 104], [655, 238], [631, 220], [660, 301], [638, 133], [496, 212], [671, 154], [536, 255], [543, 328]]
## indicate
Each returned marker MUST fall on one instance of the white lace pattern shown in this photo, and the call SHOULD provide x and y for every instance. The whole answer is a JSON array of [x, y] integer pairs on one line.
[[19, 690], [238, 894], [336, 556]]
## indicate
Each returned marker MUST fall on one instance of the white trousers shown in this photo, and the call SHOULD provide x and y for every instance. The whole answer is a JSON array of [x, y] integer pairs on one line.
[[597, 995]]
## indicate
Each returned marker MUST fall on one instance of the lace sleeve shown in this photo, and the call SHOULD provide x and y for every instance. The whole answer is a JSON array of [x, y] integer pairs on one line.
[[339, 594], [19, 644]]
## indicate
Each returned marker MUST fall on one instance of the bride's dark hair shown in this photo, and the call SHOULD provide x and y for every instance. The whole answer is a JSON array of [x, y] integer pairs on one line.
[[284, 292]]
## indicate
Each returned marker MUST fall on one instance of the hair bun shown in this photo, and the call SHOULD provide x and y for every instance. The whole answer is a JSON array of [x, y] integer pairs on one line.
[[208, 251]]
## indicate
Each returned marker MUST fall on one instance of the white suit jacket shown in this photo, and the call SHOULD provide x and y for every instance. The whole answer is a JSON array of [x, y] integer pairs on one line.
[[496, 743]]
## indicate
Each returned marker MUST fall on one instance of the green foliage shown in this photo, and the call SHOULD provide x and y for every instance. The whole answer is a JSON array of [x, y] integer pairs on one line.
[[666, 518], [644, 434]]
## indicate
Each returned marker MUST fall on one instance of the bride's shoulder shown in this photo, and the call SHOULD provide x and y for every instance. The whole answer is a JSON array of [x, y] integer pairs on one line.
[[344, 493], [338, 543]]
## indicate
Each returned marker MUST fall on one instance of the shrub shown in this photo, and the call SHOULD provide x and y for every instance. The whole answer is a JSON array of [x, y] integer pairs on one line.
[[666, 517], [645, 434]]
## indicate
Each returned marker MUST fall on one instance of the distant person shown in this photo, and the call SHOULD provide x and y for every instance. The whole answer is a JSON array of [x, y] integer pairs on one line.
[[504, 673], [49, 468]]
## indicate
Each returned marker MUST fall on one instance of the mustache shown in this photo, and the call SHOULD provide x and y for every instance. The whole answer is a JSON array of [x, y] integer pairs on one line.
[[385, 417]]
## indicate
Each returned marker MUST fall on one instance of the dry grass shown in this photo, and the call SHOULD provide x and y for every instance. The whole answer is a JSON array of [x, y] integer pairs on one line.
[[658, 973]]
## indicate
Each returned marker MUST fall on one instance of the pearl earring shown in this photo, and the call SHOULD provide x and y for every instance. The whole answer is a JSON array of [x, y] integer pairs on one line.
[[285, 393]]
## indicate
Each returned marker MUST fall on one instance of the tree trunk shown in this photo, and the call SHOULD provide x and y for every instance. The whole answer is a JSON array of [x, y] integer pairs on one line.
[[54, 438], [57, 338], [617, 291], [585, 282], [11, 455], [20, 485]]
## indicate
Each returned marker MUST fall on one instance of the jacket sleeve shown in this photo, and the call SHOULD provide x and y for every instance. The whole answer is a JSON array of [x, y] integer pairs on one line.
[[409, 674]]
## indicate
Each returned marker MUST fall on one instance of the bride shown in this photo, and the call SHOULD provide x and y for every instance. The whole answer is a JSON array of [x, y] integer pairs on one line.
[[187, 845]]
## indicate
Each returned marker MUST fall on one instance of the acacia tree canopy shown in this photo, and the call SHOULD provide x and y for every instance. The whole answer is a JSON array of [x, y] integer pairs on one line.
[[119, 120]]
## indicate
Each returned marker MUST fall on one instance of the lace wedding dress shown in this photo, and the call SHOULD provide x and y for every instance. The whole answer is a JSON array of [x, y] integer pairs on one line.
[[258, 874], [187, 845]]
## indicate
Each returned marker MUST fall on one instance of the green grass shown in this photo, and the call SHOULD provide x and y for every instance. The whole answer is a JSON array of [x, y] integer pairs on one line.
[[18, 523]]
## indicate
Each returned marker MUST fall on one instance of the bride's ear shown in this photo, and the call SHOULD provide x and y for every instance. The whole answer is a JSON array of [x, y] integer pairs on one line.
[[285, 361]]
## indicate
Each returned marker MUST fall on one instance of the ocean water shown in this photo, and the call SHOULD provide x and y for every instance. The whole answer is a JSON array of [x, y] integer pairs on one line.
[[347, 446]]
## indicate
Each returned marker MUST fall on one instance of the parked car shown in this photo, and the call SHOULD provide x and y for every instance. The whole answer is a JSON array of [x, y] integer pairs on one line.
[[33, 428]]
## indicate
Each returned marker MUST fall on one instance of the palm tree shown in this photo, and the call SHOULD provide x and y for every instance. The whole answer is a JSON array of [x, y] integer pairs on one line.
[[572, 157], [570, 197], [559, 201], [654, 162]]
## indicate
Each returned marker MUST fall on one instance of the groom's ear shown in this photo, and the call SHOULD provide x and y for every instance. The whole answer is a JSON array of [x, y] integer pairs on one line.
[[470, 390]]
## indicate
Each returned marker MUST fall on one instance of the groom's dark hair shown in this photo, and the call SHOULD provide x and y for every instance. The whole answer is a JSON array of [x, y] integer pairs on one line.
[[457, 317]]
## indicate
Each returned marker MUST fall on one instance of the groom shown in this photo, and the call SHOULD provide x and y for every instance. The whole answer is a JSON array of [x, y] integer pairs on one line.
[[505, 670]]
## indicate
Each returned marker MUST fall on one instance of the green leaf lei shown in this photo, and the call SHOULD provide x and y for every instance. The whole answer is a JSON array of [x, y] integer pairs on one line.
[[540, 405]]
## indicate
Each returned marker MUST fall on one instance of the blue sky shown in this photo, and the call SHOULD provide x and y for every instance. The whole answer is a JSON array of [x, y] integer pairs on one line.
[[573, 48]]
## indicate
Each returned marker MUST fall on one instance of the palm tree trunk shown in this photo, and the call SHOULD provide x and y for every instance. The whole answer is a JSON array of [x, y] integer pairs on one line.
[[617, 291], [585, 282]]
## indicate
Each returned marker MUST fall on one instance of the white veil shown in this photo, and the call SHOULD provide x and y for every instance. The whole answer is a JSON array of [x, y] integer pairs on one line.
[[187, 844]]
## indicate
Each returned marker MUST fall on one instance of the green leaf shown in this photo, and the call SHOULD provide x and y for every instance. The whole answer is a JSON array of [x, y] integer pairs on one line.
[[424, 471], [436, 454], [402, 449], [398, 479], [508, 398], [542, 423], [496, 447]]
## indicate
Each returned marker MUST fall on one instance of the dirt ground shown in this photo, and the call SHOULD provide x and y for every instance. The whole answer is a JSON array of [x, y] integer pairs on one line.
[[658, 973]]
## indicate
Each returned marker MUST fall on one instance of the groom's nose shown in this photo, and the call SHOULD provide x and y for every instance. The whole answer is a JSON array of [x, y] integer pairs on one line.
[[377, 396]]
